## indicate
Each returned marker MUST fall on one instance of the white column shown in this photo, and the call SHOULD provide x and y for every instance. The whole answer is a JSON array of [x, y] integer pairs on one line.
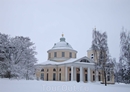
[[74, 73], [89, 78], [96, 75], [71, 73], [81, 74], [66, 73]]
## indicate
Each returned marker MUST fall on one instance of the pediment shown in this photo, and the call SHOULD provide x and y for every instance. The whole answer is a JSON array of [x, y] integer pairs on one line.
[[84, 60]]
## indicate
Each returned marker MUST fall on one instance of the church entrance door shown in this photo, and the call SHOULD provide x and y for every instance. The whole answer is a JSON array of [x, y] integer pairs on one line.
[[78, 77]]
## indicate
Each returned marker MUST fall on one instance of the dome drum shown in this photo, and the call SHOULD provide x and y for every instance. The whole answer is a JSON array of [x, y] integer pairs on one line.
[[61, 51]]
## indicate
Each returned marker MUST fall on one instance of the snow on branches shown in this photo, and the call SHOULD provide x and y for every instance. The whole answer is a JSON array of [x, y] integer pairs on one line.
[[17, 57]]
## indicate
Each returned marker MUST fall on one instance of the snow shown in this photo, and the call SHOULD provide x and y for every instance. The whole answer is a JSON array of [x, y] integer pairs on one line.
[[61, 45], [72, 60], [7, 85]]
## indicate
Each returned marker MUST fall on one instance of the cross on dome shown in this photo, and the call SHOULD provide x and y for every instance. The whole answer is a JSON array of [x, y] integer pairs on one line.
[[62, 39], [62, 35]]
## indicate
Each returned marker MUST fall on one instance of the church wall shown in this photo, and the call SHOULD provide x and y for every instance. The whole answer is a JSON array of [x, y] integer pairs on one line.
[[59, 55], [111, 79], [62, 72], [62, 67], [90, 52], [38, 74], [50, 73], [84, 74]]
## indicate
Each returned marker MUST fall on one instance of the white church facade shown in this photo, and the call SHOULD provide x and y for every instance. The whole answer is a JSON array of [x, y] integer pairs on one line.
[[62, 65]]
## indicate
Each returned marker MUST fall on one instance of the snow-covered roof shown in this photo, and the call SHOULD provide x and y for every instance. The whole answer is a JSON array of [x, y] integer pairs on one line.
[[72, 60], [62, 45]]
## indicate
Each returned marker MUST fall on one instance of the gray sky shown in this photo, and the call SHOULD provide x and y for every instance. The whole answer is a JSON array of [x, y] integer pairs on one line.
[[45, 20]]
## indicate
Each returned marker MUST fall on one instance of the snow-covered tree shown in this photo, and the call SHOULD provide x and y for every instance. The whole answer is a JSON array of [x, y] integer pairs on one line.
[[117, 67], [19, 57], [125, 54], [3, 40], [100, 48]]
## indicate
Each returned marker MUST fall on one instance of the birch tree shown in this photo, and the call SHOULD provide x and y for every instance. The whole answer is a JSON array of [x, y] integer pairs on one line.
[[100, 48]]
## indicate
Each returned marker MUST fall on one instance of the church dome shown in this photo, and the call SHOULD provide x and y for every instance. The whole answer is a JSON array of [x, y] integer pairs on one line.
[[61, 51], [62, 44]]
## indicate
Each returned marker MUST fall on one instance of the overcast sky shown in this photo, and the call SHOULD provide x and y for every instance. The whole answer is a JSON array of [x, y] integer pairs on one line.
[[45, 20]]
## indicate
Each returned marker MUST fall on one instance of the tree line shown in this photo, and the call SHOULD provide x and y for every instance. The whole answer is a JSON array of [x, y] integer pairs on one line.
[[120, 69]]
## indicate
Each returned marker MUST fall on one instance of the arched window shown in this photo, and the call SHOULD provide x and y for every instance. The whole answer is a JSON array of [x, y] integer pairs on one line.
[[60, 69], [84, 60], [92, 56], [77, 69], [85, 70], [42, 70], [69, 69], [54, 69], [93, 72]]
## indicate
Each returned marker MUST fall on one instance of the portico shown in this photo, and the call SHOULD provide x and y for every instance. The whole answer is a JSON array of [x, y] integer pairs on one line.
[[79, 73]]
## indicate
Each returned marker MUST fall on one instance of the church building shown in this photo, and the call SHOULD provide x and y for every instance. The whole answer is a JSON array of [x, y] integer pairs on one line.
[[63, 65]]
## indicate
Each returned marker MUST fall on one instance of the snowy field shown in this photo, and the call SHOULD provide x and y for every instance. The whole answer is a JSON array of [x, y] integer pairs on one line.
[[7, 85]]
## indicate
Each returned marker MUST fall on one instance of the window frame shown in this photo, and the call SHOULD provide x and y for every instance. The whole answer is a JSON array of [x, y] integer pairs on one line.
[[59, 76], [54, 76], [42, 76], [63, 54], [70, 54], [69, 76], [42, 70], [49, 55], [55, 54]]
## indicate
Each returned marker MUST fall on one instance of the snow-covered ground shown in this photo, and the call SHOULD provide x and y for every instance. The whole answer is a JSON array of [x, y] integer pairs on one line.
[[7, 85]]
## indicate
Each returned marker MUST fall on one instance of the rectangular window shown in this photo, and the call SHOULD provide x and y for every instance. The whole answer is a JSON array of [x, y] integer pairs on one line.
[[70, 55], [86, 77], [99, 78], [49, 55], [63, 54], [59, 76], [42, 76], [47, 77], [108, 78], [92, 58], [93, 77], [75, 55], [55, 54], [54, 76], [69, 76]]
